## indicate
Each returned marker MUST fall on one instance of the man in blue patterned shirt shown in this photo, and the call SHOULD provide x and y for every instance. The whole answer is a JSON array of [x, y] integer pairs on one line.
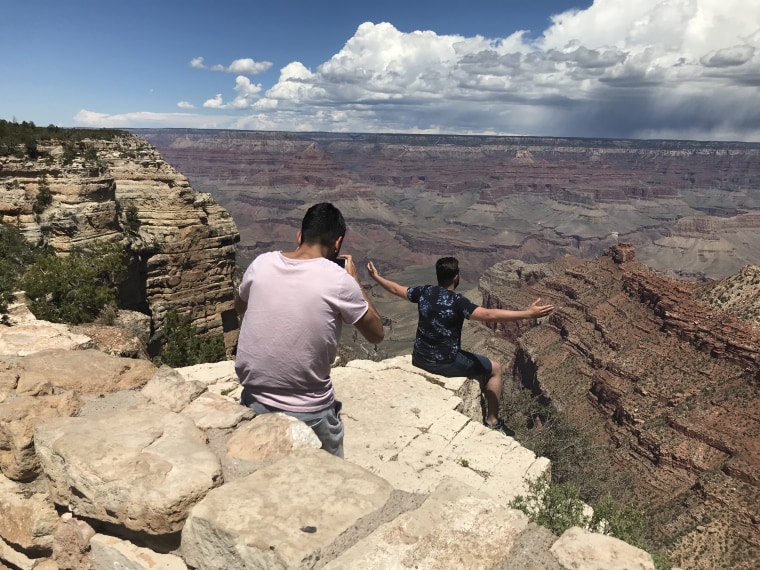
[[437, 346]]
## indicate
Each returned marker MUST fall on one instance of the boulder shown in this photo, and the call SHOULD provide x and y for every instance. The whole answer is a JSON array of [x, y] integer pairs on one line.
[[18, 418], [28, 517], [142, 468], [83, 371], [71, 545], [34, 336], [168, 388], [579, 549], [212, 411], [456, 527], [277, 517], [270, 436]]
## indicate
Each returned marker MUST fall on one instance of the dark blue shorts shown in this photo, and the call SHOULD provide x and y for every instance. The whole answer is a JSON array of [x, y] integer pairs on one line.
[[466, 364]]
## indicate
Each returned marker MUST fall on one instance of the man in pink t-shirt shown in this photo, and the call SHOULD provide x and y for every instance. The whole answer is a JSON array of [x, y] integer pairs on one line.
[[294, 306]]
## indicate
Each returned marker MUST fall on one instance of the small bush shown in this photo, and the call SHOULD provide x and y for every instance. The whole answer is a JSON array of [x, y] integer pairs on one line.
[[625, 523], [15, 255], [184, 346], [69, 153], [556, 507], [75, 288], [132, 219], [108, 315], [44, 197]]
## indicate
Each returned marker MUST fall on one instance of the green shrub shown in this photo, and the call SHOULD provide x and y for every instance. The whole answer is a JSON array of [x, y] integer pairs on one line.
[[626, 523], [44, 196], [90, 155], [556, 507], [184, 346], [132, 219], [15, 255], [75, 288], [69, 153], [559, 507]]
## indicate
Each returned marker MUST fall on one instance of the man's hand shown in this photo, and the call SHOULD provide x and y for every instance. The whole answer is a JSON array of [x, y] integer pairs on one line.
[[372, 270], [537, 311], [387, 284], [349, 266]]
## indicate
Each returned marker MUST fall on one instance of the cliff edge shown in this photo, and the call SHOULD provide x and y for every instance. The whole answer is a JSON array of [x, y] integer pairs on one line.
[[108, 462]]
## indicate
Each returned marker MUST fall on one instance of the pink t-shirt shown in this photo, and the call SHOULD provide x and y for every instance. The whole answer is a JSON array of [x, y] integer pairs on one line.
[[290, 331]]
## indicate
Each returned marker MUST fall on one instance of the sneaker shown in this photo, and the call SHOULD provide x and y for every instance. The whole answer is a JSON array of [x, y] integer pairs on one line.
[[498, 425]]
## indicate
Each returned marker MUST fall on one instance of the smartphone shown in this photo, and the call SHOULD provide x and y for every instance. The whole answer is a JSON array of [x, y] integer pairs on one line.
[[340, 261]]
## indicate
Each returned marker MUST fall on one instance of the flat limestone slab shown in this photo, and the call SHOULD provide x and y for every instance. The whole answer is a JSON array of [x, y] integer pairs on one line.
[[34, 336], [281, 516], [405, 428], [455, 528]]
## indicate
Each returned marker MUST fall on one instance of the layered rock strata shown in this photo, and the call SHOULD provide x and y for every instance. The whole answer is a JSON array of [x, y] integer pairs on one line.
[[691, 208], [669, 385], [182, 241]]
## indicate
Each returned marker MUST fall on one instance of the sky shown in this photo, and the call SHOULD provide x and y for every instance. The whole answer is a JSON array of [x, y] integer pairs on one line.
[[641, 69]]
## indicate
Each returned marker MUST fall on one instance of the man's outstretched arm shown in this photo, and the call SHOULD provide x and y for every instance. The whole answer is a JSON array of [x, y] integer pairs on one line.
[[535, 311], [387, 284], [371, 324]]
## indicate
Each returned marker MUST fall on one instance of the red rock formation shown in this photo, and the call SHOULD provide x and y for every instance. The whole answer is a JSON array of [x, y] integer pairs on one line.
[[672, 384]]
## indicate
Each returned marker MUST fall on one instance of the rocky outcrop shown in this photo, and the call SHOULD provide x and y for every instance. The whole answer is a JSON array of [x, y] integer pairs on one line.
[[128, 479], [669, 384], [691, 208], [181, 241]]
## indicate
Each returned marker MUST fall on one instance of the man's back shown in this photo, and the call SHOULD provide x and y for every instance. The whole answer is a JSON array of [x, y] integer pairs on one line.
[[441, 315], [290, 332]]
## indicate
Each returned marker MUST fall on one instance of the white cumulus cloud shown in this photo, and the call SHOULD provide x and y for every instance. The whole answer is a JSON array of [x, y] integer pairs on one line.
[[620, 69], [143, 119], [245, 66]]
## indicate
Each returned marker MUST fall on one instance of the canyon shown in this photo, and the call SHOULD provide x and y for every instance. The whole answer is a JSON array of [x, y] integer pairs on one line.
[[648, 250], [653, 349], [691, 209], [663, 381]]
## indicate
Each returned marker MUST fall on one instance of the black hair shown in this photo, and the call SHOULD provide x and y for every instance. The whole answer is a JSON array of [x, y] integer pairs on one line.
[[446, 269], [323, 224]]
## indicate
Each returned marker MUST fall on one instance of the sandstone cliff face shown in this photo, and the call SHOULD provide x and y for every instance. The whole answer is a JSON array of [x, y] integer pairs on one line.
[[670, 385], [182, 240], [691, 208]]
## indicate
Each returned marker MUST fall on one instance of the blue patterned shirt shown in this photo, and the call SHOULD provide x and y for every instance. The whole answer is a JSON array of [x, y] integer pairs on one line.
[[441, 316]]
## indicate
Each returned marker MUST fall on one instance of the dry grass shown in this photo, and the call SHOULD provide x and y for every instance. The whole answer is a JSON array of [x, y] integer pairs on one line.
[[738, 295]]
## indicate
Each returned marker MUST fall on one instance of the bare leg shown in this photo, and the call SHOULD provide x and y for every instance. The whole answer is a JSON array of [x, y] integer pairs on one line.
[[492, 393]]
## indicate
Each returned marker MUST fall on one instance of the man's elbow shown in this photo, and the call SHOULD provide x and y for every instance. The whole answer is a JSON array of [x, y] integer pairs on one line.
[[372, 331], [376, 337]]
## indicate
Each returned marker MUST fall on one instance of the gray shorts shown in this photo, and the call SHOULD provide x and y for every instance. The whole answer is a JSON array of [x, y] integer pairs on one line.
[[326, 423]]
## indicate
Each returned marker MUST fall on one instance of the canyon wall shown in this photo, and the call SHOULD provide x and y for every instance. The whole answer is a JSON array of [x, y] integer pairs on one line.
[[692, 209], [667, 383], [182, 242]]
